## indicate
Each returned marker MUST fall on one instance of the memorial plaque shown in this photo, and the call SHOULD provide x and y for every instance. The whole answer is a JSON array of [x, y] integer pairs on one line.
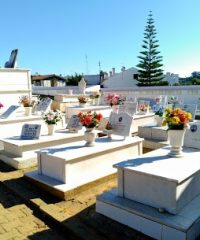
[[128, 107], [192, 136], [9, 112], [30, 131], [191, 108], [44, 105], [74, 124], [121, 123]]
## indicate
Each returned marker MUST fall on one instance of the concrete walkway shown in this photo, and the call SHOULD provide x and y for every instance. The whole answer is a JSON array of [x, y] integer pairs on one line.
[[26, 212]]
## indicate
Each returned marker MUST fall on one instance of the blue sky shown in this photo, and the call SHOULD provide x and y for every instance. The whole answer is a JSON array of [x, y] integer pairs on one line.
[[56, 36]]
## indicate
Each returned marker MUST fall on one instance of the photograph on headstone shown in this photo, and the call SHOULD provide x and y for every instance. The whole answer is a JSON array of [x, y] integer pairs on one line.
[[30, 131], [121, 123], [74, 124], [9, 112]]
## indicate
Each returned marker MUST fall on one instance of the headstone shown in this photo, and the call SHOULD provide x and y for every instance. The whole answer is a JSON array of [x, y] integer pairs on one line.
[[191, 108], [192, 136], [30, 131], [82, 86], [9, 112], [44, 105], [128, 107], [121, 123], [74, 124]]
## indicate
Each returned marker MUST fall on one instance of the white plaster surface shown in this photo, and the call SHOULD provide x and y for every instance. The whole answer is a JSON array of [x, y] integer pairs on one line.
[[146, 219], [75, 164], [161, 181], [20, 153]]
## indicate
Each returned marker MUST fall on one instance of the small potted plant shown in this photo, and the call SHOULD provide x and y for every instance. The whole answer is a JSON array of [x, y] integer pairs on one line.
[[27, 103], [90, 120], [51, 118], [82, 100]]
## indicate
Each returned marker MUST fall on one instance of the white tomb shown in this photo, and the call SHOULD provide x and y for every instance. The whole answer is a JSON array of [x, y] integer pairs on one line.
[[157, 194], [73, 165], [20, 153]]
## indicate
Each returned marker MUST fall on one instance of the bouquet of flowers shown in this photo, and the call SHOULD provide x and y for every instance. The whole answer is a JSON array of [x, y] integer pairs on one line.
[[158, 110], [90, 119], [176, 119], [26, 101], [1, 105], [52, 117], [82, 99], [109, 126], [115, 99]]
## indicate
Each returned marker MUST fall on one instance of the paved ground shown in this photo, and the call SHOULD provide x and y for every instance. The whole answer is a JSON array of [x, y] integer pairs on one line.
[[26, 212]]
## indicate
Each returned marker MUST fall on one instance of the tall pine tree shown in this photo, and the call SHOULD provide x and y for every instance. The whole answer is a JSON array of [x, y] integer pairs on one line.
[[150, 72]]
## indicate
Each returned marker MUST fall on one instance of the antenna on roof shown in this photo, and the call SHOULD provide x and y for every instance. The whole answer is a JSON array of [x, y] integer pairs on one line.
[[86, 64]]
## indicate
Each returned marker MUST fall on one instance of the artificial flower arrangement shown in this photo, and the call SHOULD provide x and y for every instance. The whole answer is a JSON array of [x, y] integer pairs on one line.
[[143, 107], [158, 110], [115, 99], [52, 117], [82, 99], [1, 105], [90, 119], [26, 101], [176, 119]]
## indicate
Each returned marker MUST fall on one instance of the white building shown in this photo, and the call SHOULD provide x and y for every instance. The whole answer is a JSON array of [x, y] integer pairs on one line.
[[171, 78], [126, 78]]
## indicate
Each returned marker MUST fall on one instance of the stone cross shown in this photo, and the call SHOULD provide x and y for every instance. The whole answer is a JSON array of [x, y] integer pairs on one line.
[[82, 86]]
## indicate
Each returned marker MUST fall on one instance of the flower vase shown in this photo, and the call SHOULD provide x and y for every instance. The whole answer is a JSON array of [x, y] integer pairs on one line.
[[89, 137], [115, 108], [96, 101], [28, 111], [158, 120], [51, 129], [109, 132], [82, 105], [176, 138]]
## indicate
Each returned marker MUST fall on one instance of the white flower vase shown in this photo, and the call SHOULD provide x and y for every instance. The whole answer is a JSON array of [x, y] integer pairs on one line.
[[96, 100], [158, 120], [176, 138], [51, 128], [115, 108], [82, 105], [90, 136], [109, 134], [28, 111]]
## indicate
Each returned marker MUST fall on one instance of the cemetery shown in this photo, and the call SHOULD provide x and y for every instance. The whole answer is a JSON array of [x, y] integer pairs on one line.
[[83, 141]]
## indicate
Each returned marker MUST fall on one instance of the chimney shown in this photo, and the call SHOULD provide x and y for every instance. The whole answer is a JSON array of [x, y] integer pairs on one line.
[[113, 71], [110, 73], [123, 68]]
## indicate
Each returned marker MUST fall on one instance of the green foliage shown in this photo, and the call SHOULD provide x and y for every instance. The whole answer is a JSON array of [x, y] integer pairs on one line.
[[195, 81], [74, 80], [150, 72]]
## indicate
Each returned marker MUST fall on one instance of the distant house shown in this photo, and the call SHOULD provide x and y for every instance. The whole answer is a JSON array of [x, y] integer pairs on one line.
[[92, 79], [126, 78], [51, 80], [171, 78]]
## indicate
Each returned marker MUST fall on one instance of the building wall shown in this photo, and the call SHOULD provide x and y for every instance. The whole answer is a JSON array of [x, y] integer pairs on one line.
[[122, 79]]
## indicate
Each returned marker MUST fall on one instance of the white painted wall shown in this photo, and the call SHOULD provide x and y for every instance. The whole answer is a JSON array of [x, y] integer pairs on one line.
[[13, 84], [122, 79]]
